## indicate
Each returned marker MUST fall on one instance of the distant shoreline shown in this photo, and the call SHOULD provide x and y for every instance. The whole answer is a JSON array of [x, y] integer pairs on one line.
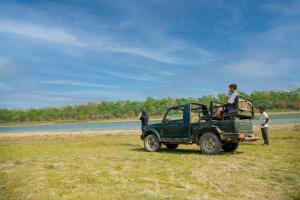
[[65, 122], [66, 133], [155, 118], [104, 132]]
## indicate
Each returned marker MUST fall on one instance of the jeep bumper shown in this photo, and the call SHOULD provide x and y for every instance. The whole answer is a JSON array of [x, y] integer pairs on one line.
[[232, 136], [251, 138], [238, 136]]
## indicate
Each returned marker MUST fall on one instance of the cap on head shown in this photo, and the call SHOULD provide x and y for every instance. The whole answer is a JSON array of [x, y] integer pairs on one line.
[[144, 112], [234, 86], [263, 108]]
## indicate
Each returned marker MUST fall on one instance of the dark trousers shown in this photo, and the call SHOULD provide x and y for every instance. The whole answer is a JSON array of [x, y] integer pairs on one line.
[[143, 128], [264, 132]]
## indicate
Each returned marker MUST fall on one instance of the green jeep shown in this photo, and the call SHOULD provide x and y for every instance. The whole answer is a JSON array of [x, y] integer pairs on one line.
[[196, 123]]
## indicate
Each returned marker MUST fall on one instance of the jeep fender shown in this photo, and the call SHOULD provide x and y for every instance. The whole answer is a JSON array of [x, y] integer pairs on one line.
[[151, 131], [206, 129]]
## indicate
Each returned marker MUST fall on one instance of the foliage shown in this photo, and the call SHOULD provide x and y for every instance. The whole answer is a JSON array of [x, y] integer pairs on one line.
[[274, 100]]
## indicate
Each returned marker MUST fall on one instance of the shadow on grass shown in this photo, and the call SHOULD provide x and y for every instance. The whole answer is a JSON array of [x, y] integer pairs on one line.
[[250, 143], [130, 145], [184, 151]]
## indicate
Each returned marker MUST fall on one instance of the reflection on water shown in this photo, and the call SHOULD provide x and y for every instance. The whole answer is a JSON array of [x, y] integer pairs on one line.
[[132, 125]]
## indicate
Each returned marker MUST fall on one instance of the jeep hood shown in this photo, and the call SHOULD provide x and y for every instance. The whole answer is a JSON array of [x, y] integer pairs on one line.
[[153, 125]]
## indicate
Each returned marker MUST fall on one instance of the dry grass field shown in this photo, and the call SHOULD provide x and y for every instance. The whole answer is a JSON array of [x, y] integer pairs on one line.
[[114, 165]]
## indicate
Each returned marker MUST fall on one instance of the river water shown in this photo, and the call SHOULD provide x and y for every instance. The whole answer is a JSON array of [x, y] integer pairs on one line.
[[126, 125]]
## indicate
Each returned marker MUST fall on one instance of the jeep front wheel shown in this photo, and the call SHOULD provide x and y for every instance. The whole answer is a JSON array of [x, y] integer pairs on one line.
[[210, 144], [230, 146], [151, 143], [171, 146]]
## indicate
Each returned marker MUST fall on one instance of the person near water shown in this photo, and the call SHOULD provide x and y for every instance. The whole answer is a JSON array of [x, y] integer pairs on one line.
[[263, 122], [143, 116]]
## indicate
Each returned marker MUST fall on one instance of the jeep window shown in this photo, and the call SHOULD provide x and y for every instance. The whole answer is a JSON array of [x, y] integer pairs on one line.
[[198, 116], [195, 117], [174, 114]]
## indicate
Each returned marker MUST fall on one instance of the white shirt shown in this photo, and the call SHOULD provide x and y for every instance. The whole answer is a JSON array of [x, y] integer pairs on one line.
[[232, 97], [264, 116]]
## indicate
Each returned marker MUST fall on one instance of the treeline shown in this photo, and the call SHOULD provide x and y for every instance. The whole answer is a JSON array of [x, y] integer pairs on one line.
[[273, 100]]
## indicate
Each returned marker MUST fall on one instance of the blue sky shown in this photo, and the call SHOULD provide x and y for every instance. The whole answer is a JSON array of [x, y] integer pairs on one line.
[[54, 53]]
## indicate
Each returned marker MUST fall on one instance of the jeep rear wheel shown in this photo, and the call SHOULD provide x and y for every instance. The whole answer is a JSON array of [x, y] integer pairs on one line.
[[210, 144], [230, 146], [151, 143], [171, 146]]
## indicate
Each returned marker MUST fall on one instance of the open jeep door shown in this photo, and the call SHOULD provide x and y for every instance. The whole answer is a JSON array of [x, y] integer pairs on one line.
[[176, 122]]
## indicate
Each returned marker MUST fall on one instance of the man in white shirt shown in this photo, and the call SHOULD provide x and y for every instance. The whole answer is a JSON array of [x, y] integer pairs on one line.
[[232, 100], [233, 94], [263, 122]]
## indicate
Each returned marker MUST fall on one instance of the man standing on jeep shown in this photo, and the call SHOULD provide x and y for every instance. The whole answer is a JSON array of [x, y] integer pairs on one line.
[[263, 122]]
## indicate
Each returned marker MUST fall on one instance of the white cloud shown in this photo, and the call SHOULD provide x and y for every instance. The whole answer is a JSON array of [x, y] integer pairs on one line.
[[166, 52], [77, 93], [146, 53], [77, 83], [285, 9], [3, 62], [137, 77], [47, 33], [255, 67], [9, 69], [180, 54], [281, 33], [5, 87], [271, 54]]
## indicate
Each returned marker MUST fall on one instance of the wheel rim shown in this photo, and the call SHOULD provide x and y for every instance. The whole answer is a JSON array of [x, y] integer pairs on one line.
[[210, 143], [152, 143]]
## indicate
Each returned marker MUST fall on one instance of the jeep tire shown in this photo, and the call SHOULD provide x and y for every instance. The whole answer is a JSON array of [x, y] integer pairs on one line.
[[230, 146], [151, 143], [210, 143]]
